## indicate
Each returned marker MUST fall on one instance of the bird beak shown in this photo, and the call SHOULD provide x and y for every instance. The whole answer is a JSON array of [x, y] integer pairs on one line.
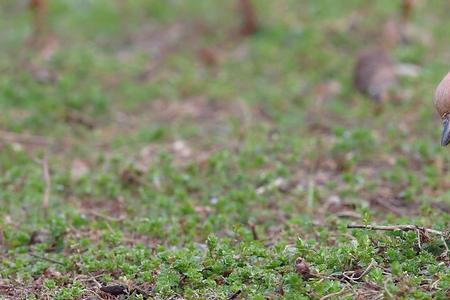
[[445, 138]]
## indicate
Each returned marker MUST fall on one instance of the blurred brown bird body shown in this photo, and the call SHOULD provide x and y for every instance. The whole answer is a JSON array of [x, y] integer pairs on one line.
[[442, 104], [442, 97], [374, 73]]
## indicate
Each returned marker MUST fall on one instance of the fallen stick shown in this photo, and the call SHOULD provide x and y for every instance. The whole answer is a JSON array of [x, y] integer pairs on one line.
[[395, 227], [366, 271], [46, 259], [254, 233], [443, 235]]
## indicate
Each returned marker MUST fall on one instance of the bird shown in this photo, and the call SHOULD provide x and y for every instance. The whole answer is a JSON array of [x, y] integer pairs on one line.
[[442, 104], [374, 73]]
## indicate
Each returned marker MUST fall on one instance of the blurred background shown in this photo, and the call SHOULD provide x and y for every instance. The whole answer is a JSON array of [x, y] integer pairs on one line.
[[299, 87], [291, 88], [70, 62]]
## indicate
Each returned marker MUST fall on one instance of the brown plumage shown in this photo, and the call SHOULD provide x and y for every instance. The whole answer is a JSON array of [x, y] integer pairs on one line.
[[442, 97], [442, 104], [374, 73]]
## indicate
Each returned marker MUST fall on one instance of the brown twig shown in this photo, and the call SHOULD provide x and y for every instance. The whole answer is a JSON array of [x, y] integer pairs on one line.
[[395, 228], [254, 233], [47, 181], [46, 259], [415, 228], [365, 272]]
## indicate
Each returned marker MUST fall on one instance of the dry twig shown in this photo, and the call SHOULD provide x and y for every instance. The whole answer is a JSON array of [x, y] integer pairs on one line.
[[415, 228], [395, 228], [254, 233], [46, 259], [365, 272]]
